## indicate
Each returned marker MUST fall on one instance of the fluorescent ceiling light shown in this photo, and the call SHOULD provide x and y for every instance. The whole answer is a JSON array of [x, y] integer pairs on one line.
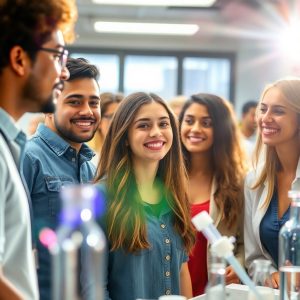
[[190, 3], [146, 28]]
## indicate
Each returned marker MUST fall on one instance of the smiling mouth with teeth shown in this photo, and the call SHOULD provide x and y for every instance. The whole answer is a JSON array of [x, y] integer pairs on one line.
[[156, 145], [196, 139], [266, 130], [83, 123]]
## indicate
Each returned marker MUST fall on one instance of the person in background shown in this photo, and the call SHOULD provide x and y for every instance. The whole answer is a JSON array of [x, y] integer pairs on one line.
[[34, 122], [32, 66], [248, 127], [277, 170], [176, 104], [56, 155], [215, 165], [109, 103], [147, 224]]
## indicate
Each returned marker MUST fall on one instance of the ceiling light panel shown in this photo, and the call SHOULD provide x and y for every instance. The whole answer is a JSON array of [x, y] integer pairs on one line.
[[146, 28], [184, 3]]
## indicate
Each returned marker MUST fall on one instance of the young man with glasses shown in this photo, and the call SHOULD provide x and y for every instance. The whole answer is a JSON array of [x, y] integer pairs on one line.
[[29, 80], [57, 155]]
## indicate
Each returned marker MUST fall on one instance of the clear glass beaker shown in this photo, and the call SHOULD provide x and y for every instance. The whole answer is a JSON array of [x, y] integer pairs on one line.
[[215, 288], [262, 280]]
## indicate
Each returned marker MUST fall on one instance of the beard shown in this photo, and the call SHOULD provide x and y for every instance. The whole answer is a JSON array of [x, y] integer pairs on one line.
[[36, 103], [69, 135], [49, 106]]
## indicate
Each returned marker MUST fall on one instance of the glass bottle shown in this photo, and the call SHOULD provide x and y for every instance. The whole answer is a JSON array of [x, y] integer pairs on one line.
[[78, 254], [215, 288], [262, 280], [289, 251]]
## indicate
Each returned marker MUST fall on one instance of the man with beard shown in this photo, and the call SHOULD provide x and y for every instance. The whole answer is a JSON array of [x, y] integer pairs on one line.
[[56, 155], [32, 62]]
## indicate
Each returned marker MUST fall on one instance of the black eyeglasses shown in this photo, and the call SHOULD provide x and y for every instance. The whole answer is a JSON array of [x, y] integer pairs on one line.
[[61, 57]]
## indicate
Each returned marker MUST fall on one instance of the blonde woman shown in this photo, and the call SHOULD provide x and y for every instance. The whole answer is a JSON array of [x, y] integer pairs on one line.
[[277, 170]]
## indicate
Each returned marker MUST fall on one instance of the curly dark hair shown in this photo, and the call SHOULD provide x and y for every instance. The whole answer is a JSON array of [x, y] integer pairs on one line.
[[29, 24]]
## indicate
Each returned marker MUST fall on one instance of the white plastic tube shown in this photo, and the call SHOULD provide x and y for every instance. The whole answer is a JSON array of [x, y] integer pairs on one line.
[[223, 246], [203, 222]]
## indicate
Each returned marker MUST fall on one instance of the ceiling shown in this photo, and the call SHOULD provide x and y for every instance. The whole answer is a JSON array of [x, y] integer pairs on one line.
[[227, 19]]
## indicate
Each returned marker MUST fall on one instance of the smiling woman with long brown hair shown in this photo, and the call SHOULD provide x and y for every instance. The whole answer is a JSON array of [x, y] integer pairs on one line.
[[147, 224], [215, 165]]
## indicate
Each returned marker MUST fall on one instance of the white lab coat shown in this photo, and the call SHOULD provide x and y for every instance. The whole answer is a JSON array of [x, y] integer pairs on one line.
[[254, 212]]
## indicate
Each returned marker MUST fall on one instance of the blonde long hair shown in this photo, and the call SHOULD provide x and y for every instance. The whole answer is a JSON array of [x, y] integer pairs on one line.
[[125, 215], [290, 89]]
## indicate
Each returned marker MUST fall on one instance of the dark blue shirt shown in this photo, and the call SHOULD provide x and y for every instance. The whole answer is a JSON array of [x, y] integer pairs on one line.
[[148, 273], [50, 163], [270, 226]]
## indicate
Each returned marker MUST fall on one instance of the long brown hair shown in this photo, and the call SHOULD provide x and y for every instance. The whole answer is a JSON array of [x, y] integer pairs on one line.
[[228, 158], [125, 216]]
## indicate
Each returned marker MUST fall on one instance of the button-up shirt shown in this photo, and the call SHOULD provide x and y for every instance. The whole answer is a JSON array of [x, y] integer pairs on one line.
[[270, 226], [16, 259], [152, 272], [49, 164]]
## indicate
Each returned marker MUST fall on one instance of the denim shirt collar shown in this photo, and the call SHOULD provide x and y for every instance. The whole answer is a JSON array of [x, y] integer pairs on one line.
[[8, 126], [58, 144]]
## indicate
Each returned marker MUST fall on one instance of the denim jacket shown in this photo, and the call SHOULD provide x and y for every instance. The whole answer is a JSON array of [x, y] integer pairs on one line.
[[49, 164], [148, 273]]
